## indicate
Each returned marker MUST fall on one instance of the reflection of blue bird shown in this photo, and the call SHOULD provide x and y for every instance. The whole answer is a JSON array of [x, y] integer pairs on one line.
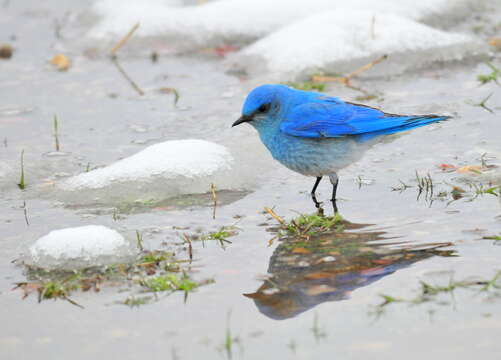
[[316, 135]]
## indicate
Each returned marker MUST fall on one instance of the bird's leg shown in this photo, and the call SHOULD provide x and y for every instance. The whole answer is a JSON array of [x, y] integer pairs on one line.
[[313, 196], [334, 181]]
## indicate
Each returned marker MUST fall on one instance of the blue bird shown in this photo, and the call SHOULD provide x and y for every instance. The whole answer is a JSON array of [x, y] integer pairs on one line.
[[317, 135]]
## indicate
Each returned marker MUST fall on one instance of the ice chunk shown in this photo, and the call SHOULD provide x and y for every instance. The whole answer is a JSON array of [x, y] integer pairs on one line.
[[242, 21], [160, 171], [80, 247], [340, 41]]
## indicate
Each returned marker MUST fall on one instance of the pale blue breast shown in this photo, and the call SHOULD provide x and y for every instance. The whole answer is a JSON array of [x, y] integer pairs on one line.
[[313, 157]]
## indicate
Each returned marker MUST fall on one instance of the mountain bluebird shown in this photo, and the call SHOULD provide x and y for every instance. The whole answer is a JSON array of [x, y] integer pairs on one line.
[[317, 135]]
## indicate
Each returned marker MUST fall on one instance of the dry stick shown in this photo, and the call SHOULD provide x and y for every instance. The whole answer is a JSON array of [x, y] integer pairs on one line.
[[131, 82], [274, 215], [346, 79], [190, 247], [124, 40], [25, 213], [56, 135], [214, 197], [115, 62], [21, 184]]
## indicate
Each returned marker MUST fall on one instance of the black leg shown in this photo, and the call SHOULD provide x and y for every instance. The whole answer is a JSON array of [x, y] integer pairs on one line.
[[313, 196], [333, 199]]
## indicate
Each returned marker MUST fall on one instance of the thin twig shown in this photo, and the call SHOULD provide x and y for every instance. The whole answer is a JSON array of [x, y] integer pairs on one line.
[[25, 210], [131, 82], [274, 215], [346, 79], [190, 247], [21, 184], [113, 53], [56, 135], [214, 197], [124, 40]]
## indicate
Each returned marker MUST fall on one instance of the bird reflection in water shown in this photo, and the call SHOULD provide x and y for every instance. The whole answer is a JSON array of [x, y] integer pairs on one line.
[[328, 267]]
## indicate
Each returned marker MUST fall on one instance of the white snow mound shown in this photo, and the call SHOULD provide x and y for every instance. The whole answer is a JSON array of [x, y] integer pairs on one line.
[[340, 41], [80, 247], [162, 170], [242, 21]]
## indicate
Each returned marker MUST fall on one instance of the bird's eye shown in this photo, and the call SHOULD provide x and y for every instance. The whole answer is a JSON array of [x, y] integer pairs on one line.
[[264, 108]]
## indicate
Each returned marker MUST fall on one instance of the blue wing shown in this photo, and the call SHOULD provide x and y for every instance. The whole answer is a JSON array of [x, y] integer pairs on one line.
[[332, 117]]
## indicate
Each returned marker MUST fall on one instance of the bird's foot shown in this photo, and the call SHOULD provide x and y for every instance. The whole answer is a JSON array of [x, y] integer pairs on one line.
[[318, 205]]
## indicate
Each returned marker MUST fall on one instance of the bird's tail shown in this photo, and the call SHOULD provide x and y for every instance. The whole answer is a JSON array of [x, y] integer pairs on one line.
[[403, 123]]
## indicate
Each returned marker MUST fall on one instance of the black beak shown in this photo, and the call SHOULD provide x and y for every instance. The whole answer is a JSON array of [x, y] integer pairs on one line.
[[242, 119]]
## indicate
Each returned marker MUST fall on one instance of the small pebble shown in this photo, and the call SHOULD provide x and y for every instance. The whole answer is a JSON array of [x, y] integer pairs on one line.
[[6, 51]]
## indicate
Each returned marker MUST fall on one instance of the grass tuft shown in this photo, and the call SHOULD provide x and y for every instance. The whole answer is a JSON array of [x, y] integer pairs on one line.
[[306, 225], [492, 76], [170, 282], [22, 184], [306, 86]]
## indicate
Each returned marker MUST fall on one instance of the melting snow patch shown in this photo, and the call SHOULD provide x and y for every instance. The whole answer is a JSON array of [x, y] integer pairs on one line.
[[162, 170], [241, 21], [340, 41], [80, 247]]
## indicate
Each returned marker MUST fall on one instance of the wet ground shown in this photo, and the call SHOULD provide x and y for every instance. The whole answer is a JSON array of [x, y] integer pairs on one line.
[[288, 300]]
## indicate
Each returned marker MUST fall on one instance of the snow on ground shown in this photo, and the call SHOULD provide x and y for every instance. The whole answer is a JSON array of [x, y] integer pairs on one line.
[[80, 247], [162, 170], [245, 20], [341, 41], [296, 35]]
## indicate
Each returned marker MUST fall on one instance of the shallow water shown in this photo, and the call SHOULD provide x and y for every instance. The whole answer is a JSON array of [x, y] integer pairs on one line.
[[324, 307]]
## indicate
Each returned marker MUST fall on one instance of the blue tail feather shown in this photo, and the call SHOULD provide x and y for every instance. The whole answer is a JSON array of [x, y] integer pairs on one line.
[[407, 123]]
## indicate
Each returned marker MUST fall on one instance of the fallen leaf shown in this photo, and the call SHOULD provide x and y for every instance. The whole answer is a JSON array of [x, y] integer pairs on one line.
[[447, 167], [6, 51], [300, 250], [458, 189], [495, 42], [168, 90], [470, 168], [225, 50], [61, 62]]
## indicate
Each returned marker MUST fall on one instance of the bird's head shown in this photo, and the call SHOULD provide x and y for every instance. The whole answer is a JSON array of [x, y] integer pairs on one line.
[[263, 105]]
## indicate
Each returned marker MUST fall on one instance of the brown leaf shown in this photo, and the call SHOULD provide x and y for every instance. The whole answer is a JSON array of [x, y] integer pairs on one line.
[[495, 42], [300, 250], [61, 62], [470, 168], [6, 51]]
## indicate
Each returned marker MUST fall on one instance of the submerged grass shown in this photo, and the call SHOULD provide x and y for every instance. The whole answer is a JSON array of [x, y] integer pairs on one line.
[[154, 271], [430, 293], [229, 339], [170, 282], [492, 76], [221, 236], [429, 190]]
